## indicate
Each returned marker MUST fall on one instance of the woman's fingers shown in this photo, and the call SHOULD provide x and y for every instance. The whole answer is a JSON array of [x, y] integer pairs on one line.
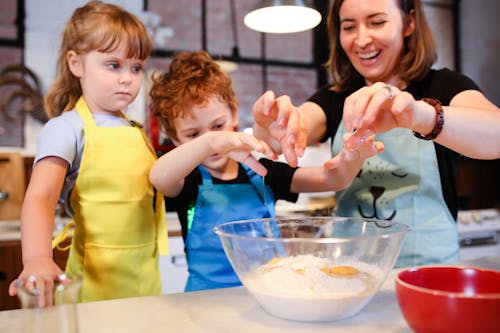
[[294, 139], [372, 108], [262, 109], [366, 149], [301, 138], [285, 110], [349, 113], [357, 138], [354, 109], [380, 101], [283, 122]]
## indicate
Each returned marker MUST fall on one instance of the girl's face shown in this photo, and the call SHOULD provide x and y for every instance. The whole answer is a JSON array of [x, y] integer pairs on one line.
[[214, 116], [372, 35], [109, 81]]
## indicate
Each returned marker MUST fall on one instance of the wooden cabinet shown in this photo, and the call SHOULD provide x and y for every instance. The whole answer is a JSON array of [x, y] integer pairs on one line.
[[12, 185], [11, 265]]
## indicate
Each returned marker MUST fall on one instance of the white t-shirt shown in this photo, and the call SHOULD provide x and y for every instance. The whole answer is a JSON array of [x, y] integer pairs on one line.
[[63, 137]]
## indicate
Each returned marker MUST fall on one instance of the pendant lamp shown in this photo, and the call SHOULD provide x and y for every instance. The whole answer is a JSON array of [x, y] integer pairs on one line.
[[283, 16]]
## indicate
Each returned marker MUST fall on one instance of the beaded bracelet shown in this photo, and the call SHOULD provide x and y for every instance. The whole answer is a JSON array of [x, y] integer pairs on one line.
[[439, 123]]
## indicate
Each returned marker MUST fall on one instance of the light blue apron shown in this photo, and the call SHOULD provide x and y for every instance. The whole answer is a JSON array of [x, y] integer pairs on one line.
[[208, 265], [402, 184]]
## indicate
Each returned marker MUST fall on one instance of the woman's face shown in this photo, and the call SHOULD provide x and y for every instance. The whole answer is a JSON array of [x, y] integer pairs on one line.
[[372, 35]]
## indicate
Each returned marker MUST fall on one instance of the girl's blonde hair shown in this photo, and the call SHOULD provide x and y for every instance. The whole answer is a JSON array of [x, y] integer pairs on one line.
[[192, 79], [94, 26], [419, 51]]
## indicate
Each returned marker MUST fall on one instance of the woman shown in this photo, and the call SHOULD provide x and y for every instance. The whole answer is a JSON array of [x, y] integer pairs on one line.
[[381, 53]]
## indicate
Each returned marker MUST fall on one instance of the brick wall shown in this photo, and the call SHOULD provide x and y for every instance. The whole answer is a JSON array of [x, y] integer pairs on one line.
[[46, 18], [8, 30], [184, 16]]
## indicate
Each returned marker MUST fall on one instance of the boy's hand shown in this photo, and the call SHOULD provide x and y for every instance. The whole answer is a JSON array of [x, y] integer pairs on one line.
[[239, 147]]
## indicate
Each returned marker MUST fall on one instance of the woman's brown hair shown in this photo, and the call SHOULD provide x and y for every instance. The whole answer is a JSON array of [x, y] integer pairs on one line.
[[192, 79], [94, 26], [419, 51]]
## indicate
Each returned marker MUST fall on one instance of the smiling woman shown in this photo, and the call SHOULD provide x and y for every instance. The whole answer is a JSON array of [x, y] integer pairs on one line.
[[381, 54]]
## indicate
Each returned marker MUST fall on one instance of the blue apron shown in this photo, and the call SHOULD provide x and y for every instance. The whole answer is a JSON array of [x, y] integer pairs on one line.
[[403, 184], [208, 265]]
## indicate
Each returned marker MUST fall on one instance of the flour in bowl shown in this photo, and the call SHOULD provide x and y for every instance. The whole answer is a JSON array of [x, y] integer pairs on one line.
[[308, 288]]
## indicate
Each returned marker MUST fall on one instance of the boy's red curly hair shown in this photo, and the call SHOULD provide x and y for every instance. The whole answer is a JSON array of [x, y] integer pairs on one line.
[[192, 79]]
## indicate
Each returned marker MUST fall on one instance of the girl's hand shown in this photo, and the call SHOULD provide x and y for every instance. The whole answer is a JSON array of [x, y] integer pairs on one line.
[[279, 123], [239, 147], [366, 149], [38, 276], [375, 109]]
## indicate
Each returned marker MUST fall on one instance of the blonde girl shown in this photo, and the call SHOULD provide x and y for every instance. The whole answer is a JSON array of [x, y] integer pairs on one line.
[[96, 162]]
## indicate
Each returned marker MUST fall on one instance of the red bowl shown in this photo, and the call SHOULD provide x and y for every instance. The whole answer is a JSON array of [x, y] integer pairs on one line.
[[449, 299]]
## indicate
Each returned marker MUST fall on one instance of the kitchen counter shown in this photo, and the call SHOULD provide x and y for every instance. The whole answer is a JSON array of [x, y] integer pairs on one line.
[[226, 310]]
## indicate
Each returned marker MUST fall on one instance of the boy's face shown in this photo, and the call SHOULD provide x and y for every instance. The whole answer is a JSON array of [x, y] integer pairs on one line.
[[214, 116]]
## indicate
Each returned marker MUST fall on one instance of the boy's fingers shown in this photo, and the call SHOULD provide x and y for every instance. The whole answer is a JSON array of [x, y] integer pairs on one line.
[[255, 165]]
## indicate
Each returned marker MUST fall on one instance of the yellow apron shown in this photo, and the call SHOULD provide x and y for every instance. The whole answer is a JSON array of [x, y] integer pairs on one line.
[[118, 234]]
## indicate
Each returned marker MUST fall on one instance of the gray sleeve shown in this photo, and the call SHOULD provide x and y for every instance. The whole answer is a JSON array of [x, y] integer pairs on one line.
[[61, 137]]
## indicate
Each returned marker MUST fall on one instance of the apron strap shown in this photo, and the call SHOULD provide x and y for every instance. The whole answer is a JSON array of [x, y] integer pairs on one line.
[[65, 233], [265, 193], [84, 112], [205, 175], [161, 225]]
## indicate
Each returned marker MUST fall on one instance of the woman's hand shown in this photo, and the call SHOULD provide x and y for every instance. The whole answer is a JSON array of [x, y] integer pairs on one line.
[[379, 108], [367, 148], [278, 122]]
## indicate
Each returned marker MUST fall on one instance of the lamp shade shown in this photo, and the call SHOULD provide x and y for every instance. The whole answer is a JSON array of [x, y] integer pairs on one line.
[[282, 16]]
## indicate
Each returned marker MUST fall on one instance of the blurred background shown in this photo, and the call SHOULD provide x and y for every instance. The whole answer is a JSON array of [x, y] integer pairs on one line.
[[466, 32]]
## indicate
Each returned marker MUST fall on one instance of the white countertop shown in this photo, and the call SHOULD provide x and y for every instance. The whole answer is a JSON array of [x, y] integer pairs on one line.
[[226, 310]]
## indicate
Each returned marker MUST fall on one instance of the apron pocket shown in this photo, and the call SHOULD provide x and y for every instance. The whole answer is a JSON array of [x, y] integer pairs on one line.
[[119, 271]]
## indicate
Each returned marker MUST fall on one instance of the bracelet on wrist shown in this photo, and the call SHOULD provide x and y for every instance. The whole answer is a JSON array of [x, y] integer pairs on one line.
[[439, 120]]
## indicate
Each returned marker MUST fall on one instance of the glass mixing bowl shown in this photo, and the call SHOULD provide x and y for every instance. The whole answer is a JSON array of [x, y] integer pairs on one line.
[[312, 268]]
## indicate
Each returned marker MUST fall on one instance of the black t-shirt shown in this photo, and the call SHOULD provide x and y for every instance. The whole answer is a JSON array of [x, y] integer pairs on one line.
[[279, 178], [441, 84]]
